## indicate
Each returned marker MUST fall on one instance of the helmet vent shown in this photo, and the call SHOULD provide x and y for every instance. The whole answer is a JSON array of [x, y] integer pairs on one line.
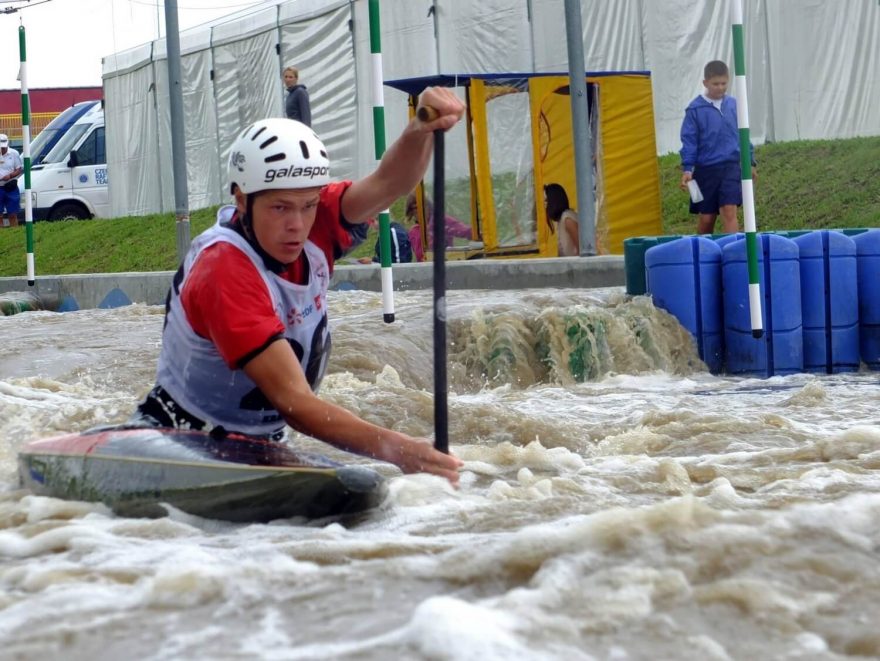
[[277, 154]]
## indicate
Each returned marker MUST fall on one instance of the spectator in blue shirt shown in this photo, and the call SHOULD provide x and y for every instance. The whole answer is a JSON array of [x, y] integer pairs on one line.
[[710, 152]]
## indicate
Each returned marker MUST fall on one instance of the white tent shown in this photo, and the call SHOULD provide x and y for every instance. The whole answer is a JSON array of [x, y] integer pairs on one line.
[[813, 72]]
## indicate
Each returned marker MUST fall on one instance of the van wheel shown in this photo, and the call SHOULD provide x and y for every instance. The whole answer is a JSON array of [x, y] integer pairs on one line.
[[69, 211]]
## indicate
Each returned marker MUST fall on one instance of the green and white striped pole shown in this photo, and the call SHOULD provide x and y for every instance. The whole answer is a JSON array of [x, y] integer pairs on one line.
[[26, 156], [379, 134], [742, 119]]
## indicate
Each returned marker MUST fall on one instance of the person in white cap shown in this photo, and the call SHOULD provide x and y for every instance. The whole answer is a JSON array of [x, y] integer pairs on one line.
[[10, 169]]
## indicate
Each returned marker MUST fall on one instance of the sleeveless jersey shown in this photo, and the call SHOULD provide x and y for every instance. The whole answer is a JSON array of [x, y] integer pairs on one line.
[[191, 369], [567, 247]]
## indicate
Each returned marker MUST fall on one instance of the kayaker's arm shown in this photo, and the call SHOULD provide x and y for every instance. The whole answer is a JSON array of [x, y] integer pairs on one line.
[[280, 377]]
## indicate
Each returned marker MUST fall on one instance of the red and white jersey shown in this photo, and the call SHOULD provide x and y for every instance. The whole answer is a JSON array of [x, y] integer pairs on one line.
[[192, 368]]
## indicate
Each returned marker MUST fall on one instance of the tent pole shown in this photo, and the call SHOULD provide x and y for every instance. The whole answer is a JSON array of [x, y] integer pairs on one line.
[[583, 161], [178, 138]]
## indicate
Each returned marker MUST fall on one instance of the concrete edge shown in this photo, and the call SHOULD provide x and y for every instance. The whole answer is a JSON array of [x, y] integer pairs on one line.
[[109, 290]]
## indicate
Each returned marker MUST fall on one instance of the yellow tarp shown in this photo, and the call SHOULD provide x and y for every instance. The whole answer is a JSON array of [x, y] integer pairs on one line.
[[628, 185], [625, 170]]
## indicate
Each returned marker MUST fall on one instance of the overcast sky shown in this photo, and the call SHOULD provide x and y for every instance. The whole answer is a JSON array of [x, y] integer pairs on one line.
[[66, 39]]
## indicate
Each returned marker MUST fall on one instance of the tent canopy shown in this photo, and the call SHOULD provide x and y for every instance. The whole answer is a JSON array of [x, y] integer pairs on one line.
[[419, 83]]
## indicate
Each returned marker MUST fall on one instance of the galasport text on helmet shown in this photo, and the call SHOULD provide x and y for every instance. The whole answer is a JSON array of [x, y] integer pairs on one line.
[[276, 153]]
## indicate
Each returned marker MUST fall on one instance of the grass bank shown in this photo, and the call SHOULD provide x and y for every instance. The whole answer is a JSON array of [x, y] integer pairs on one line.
[[800, 185], [815, 184]]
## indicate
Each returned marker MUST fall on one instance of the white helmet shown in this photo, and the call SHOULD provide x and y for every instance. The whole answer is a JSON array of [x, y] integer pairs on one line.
[[277, 154]]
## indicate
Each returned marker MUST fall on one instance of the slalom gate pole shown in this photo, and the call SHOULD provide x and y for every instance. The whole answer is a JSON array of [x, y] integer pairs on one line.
[[748, 191], [379, 134], [26, 157], [441, 418]]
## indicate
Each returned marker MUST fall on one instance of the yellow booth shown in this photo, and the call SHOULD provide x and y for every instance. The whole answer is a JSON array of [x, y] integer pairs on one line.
[[519, 139]]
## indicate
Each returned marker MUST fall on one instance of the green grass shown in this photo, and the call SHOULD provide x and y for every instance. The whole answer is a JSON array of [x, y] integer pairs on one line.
[[145, 243], [800, 185], [816, 184]]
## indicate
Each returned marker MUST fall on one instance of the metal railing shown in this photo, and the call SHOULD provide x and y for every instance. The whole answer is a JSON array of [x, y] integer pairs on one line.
[[10, 124]]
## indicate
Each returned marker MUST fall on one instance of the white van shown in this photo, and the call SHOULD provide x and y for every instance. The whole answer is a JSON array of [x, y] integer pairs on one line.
[[71, 180]]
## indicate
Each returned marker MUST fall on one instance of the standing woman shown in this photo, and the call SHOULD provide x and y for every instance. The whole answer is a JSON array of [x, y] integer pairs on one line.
[[296, 105], [559, 211]]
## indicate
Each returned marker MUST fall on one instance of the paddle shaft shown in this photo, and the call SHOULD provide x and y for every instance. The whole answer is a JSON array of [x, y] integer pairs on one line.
[[441, 421]]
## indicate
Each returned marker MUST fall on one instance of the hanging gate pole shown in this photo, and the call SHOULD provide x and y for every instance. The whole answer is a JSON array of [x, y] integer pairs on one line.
[[26, 157], [745, 155], [379, 134]]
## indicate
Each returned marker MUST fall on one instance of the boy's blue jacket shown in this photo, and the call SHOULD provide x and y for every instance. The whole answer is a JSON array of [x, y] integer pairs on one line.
[[710, 137]]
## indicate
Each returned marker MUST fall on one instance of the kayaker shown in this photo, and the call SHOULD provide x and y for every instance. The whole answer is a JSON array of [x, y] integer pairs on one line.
[[246, 337]]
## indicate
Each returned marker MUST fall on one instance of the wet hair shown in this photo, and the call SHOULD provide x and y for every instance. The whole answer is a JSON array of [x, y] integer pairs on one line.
[[714, 69], [557, 203]]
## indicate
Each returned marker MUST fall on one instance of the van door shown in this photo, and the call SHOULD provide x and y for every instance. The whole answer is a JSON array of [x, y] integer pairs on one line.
[[89, 176]]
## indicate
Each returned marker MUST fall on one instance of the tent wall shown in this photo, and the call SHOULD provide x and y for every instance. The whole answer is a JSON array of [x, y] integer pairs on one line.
[[490, 35], [812, 73], [826, 84], [247, 76], [131, 126], [322, 46], [200, 120]]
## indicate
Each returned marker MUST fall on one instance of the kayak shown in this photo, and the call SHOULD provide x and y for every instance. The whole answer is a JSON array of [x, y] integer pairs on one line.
[[136, 471]]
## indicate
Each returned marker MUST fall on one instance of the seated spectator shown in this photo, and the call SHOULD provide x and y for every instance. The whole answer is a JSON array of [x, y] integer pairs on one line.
[[401, 250], [454, 227], [559, 212]]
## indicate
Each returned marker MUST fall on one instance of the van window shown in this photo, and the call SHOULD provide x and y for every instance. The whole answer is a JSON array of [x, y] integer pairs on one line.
[[61, 151], [45, 136], [91, 151], [54, 130]]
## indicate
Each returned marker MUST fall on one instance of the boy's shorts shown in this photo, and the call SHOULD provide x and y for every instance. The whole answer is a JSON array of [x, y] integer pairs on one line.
[[720, 184], [10, 200]]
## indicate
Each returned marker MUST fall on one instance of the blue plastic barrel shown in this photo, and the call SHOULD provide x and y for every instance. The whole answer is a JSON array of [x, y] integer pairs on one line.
[[634, 250], [780, 350], [791, 234], [868, 257], [724, 239], [829, 301], [684, 278]]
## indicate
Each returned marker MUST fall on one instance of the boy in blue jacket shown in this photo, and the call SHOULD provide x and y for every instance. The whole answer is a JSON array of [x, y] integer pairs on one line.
[[710, 152]]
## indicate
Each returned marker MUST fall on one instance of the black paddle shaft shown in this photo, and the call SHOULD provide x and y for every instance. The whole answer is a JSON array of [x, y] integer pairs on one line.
[[441, 421]]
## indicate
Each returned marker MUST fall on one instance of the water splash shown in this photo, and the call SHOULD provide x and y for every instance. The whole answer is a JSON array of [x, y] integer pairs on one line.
[[17, 302], [571, 344]]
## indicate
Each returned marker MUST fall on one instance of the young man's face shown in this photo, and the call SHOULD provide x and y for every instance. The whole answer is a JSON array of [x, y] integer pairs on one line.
[[716, 87], [282, 220]]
